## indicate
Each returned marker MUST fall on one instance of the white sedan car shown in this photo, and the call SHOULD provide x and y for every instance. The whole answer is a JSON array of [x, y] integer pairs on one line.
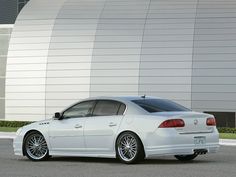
[[127, 128]]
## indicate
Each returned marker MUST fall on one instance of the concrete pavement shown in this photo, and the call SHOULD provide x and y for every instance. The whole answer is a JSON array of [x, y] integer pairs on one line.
[[221, 164], [11, 135]]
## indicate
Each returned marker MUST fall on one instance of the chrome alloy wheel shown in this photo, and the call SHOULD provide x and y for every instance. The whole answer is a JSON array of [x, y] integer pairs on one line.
[[36, 146], [127, 147]]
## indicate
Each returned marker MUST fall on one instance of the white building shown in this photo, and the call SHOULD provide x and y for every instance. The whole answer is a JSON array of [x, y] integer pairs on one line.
[[64, 50]]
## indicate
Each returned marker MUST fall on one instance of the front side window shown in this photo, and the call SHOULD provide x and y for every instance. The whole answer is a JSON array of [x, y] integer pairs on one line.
[[159, 105], [82, 109], [108, 108]]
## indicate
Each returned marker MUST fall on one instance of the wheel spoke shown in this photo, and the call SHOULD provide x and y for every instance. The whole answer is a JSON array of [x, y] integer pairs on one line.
[[35, 140], [41, 139], [31, 147], [33, 151], [44, 144], [122, 143], [131, 153], [125, 152], [31, 141]]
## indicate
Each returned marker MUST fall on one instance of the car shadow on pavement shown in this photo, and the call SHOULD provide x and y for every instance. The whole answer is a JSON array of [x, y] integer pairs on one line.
[[84, 159], [172, 161], [116, 161]]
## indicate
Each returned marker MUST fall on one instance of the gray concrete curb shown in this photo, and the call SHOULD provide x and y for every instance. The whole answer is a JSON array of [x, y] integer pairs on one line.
[[7, 135], [227, 142], [11, 135]]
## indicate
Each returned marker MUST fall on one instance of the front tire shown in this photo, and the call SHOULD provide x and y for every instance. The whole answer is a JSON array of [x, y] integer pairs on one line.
[[186, 157], [129, 148], [35, 147]]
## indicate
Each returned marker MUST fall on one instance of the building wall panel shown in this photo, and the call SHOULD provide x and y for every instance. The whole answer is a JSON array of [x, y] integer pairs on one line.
[[117, 74], [183, 50], [73, 44], [5, 31], [214, 57], [18, 68]]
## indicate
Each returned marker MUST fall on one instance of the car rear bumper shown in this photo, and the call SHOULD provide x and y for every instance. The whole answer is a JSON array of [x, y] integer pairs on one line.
[[180, 149], [170, 142]]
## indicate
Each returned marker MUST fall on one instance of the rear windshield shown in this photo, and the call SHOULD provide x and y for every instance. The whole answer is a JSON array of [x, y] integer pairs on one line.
[[159, 105]]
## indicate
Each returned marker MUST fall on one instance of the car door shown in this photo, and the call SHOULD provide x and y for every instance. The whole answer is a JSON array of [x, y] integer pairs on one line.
[[101, 128], [67, 134]]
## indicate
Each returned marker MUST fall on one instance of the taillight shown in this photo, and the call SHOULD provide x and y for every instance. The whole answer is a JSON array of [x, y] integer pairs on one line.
[[172, 123], [211, 121]]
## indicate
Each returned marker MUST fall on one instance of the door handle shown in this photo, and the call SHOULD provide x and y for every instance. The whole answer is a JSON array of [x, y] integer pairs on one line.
[[112, 124], [78, 126]]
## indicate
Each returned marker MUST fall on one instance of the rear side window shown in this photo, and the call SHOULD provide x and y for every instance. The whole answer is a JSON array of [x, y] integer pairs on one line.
[[159, 105], [108, 108], [121, 109]]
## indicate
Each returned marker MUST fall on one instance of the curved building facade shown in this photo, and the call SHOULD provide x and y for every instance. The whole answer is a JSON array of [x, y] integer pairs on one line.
[[64, 50]]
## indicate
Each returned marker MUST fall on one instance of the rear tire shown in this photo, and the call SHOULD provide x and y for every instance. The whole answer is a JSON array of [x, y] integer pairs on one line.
[[186, 157], [129, 148], [35, 147]]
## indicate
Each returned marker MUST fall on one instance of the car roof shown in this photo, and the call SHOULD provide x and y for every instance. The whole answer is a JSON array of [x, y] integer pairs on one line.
[[122, 98]]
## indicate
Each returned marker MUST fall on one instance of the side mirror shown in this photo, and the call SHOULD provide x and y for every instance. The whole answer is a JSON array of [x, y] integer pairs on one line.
[[57, 115]]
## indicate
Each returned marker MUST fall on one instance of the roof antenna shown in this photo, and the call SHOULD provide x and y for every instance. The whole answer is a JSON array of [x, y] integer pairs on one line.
[[144, 96]]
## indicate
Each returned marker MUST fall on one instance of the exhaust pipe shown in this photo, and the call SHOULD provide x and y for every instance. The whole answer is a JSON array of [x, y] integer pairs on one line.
[[200, 151]]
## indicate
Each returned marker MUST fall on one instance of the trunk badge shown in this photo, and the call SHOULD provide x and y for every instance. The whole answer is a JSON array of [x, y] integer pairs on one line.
[[195, 122]]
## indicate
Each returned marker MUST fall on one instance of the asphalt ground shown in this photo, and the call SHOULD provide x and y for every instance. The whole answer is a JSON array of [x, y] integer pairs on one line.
[[221, 164]]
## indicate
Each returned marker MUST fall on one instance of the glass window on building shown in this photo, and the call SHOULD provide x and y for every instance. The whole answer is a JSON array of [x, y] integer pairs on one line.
[[225, 119], [9, 9], [21, 4]]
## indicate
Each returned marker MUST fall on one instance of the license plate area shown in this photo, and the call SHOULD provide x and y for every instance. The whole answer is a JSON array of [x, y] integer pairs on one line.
[[199, 140]]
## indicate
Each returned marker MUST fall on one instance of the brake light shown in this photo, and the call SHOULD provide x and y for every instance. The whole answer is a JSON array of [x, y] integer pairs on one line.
[[211, 121], [172, 123]]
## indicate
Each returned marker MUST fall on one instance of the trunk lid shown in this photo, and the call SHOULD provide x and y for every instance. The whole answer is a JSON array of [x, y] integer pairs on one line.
[[194, 122]]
